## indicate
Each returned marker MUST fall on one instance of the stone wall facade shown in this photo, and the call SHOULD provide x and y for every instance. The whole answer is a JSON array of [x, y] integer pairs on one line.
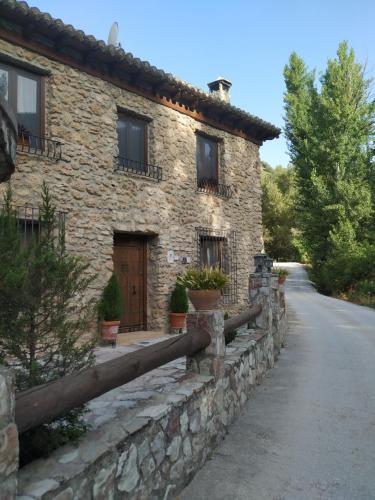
[[81, 111], [8, 437]]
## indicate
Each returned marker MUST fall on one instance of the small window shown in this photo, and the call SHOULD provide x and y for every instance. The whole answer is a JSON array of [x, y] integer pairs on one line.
[[21, 89], [30, 231], [207, 162], [132, 142], [218, 248], [211, 251]]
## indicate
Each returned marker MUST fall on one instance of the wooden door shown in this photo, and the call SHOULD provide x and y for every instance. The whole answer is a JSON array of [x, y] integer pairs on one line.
[[129, 258]]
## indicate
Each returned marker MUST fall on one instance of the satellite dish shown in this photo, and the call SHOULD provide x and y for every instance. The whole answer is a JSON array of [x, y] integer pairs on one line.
[[113, 35]]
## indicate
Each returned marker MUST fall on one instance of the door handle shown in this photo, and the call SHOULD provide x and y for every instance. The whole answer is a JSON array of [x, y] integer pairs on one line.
[[134, 291]]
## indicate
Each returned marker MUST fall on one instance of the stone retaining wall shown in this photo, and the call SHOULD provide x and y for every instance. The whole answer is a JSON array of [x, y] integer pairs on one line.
[[153, 451]]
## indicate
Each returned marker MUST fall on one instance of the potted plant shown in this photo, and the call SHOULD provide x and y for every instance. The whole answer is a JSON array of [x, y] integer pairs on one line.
[[204, 285], [110, 310], [178, 306], [281, 273]]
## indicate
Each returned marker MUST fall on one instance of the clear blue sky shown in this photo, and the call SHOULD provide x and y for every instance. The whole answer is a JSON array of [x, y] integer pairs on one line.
[[246, 41]]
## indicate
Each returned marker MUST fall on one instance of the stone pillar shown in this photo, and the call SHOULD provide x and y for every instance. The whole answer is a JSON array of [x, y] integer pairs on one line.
[[8, 437], [260, 293], [210, 361], [278, 314]]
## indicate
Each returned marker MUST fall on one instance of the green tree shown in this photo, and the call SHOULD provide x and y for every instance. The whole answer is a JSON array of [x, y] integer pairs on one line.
[[279, 232], [44, 312], [330, 133]]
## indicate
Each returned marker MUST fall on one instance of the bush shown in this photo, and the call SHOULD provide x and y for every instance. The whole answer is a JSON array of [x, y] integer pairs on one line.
[[44, 311], [363, 293], [42, 440], [110, 305], [204, 278], [179, 302], [366, 287], [344, 269]]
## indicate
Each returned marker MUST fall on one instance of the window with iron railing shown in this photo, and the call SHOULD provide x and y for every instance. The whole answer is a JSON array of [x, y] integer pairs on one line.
[[22, 90], [217, 248], [133, 147], [31, 227], [208, 168]]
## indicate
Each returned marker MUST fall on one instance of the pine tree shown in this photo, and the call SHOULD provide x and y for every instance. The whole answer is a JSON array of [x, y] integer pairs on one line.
[[44, 312]]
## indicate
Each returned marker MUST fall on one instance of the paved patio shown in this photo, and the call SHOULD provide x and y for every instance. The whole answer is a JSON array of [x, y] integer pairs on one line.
[[142, 389]]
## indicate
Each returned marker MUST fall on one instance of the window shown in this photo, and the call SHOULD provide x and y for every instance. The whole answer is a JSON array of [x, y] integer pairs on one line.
[[211, 252], [207, 162], [30, 231], [219, 248], [21, 89], [132, 142]]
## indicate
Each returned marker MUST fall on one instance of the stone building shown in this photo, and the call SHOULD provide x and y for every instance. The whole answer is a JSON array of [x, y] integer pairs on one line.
[[149, 173]]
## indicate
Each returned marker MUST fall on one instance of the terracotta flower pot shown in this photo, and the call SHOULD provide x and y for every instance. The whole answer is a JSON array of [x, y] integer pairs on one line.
[[110, 330], [282, 280], [204, 300], [177, 320]]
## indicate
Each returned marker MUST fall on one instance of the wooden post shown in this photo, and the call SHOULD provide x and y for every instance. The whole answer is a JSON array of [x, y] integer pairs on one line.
[[209, 361]]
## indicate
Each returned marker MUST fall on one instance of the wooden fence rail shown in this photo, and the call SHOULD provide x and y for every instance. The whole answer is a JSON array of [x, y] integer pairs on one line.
[[232, 324], [44, 403]]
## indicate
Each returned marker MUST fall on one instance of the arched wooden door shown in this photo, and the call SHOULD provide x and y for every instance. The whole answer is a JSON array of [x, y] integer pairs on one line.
[[130, 266]]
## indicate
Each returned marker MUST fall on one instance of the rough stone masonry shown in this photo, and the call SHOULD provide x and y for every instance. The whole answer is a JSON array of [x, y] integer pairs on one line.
[[81, 111]]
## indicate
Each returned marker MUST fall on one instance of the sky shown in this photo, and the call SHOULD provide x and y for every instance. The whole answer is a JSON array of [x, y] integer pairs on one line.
[[246, 41]]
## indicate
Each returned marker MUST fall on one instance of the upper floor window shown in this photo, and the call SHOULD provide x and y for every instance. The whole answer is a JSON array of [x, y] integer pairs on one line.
[[21, 89], [207, 162], [132, 141]]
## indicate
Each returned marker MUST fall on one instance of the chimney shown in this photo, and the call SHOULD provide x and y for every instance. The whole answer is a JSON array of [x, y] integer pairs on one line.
[[220, 89]]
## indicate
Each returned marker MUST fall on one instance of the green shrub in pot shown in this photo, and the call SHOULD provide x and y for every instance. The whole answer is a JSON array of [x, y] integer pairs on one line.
[[204, 286], [110, 310], [281, 273], [178, 306]]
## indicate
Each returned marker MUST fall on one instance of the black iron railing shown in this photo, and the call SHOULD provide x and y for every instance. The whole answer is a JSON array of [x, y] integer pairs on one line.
[[139, 168], [39, 146], [211, 186]]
